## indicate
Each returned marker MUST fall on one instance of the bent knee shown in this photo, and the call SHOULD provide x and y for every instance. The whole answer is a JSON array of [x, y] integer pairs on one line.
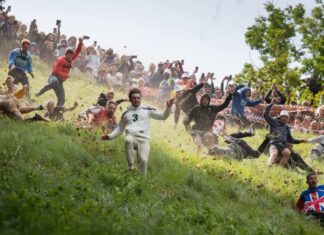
[[286, 152]]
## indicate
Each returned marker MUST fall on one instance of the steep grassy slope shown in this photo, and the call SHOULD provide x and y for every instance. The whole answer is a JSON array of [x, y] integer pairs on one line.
[[57, 179]]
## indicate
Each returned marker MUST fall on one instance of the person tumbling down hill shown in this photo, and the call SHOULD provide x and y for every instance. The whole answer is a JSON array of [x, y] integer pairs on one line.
[[55, 113], [279, 147], [60, 73], [311, 201], [186, 100], [9, 106], [135, 121], [104, 98], [204, 116], [241, 99], [103, 117]]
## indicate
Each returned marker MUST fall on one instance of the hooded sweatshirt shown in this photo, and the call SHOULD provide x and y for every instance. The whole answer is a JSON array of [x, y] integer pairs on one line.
[[204, 116], [240, 101]]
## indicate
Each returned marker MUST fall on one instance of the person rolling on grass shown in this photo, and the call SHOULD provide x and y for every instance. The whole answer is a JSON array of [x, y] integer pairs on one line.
[[135, 121], [279, 150], [103, 117], [241, 99], [238, 148], [9, 106], [311, 201], [55, 113], [60, 73], [104, 98]]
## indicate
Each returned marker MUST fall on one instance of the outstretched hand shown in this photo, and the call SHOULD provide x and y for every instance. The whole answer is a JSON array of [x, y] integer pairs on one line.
[[171, 102]]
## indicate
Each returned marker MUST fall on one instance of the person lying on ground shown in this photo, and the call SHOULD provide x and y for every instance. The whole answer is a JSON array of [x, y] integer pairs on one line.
[[311, 201], [278, 150], [204, 116], [55, 113], [136, 123], [103, 117], [237, 148], [9, 106]]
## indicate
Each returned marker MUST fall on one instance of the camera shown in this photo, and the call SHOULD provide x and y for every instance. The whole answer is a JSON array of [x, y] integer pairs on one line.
[[86, 37], [58, 22]]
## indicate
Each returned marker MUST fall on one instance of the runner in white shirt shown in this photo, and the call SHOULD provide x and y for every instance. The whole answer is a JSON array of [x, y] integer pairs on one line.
[[136, 123]]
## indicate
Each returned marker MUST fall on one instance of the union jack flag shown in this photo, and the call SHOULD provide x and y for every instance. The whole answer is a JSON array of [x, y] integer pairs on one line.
[[314, 201]]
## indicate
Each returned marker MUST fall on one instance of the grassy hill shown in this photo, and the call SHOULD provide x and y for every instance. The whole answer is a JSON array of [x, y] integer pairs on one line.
[[57, 179]]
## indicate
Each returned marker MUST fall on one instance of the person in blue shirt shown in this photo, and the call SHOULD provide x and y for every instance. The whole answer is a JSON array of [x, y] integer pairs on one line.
[[241, 99], [311, 201], [20, 62]]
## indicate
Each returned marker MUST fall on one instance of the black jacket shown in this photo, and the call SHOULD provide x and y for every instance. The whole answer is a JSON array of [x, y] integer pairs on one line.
[[204, 117], [186, 102]]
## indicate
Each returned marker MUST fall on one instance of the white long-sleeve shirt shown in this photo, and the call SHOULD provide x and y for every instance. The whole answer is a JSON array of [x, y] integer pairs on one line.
[[136, 121]]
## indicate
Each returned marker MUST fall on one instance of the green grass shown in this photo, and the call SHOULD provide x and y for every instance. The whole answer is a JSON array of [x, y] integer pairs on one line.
[[57, 179]]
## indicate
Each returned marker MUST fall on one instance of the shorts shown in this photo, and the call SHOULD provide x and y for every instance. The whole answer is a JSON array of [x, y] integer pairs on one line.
[[19, 76], [277, 146]]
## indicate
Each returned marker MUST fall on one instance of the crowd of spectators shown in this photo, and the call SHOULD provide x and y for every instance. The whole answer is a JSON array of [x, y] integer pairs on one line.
[[159, 81]]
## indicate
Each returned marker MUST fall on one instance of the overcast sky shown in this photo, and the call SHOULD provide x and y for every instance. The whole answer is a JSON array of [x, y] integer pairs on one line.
[[207, 33]]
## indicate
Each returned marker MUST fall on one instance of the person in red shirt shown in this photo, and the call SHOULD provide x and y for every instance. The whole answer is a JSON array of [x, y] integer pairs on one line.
[[103, 117], [60, 73]]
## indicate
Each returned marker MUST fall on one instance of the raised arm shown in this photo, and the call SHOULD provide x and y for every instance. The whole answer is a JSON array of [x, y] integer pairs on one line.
[[159, 115], [270, 120], [78, 50], [282, 97], [267, 98], [224, 105], [162, 116]]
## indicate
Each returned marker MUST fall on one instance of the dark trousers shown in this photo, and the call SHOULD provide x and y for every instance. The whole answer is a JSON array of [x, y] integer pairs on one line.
[[57, 85], [247, 149]]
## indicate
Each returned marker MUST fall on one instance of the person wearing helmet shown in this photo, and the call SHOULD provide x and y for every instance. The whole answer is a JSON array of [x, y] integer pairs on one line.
[[20, 62], [60, 73], [279, 146]]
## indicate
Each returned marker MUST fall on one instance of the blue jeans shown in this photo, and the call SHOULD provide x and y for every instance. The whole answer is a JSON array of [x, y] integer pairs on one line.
[[57, 85]]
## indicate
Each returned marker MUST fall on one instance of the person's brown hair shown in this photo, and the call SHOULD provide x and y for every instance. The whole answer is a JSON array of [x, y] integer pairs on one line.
[[134, 91], [310, 174]]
